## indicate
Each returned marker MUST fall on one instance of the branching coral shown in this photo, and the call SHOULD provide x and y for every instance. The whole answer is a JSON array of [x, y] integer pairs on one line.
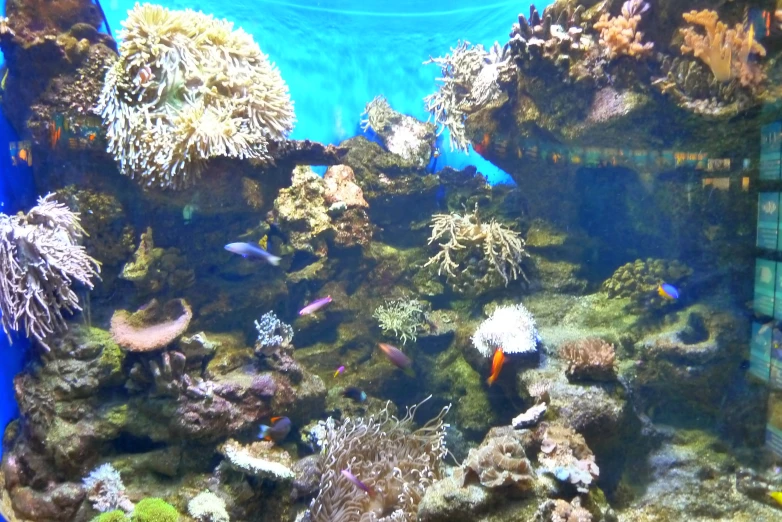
[[187, 88], [399, 464], [379, 115], [500, 246], [589, 358], [511, 328], [272, 331], [470, 80], [105, 489], [726, 51], [619, 35], [401, 317], [40, 259]]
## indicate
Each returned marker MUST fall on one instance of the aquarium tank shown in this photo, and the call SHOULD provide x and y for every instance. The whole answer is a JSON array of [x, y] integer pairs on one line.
[[365, 261]]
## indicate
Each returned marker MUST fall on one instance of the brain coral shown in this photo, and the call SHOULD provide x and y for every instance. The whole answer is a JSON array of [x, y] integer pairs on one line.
[[186, 88]]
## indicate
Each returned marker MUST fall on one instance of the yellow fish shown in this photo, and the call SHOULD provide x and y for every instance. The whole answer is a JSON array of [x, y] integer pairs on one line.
[[264, 242], [776, 495]]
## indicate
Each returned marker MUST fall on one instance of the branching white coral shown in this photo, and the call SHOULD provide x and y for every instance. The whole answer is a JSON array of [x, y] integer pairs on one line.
[[460, 89], [511, 328], [387, 455], [501, 246], [105, 489], [186, 88], [40, 259]]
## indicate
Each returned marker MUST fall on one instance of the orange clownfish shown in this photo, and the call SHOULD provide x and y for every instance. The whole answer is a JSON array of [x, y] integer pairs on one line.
[[496, 365]]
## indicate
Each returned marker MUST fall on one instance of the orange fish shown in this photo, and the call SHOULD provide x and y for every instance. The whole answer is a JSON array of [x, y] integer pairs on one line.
[[481, 147], [496, 365]]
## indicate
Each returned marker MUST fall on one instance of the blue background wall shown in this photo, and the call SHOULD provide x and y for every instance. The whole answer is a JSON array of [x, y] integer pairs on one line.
[[336, 55]]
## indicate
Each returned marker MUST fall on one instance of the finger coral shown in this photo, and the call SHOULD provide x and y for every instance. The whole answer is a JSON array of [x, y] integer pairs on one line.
[[726, 51], [619, 35], [590, 358], [186, 88], [387, 455], [40, 259]]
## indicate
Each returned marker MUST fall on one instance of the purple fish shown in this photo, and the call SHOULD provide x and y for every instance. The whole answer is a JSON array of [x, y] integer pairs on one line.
[[360, 485], [279, 429], [250, 250], [399, 359], [316, 305]]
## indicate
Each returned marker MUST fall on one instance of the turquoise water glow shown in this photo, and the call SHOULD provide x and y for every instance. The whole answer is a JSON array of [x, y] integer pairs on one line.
[[338, 55]]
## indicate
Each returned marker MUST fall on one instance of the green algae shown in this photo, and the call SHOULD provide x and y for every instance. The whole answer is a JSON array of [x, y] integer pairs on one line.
[[154, 510]]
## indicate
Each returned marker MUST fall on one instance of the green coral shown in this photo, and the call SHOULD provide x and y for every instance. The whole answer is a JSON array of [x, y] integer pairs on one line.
[[401, 318], [155, 510], [639, 280], [112, 516]]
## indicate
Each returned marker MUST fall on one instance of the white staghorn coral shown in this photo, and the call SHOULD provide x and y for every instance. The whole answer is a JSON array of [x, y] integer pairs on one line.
[[399, 464], [40, 259], [186, 88], [500, 246], [511, 328], [470, 80]]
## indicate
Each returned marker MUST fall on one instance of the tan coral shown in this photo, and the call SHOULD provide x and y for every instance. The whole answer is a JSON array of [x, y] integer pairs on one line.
[[589, 359], [726, 51], [500, 461], [151, 328], [619, 35]]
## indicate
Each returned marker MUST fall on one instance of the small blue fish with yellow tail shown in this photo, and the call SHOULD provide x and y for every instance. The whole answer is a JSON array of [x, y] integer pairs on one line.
[[667, 292]]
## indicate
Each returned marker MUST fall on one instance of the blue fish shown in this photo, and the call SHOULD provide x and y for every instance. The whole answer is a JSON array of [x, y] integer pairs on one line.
[[279, 429], [668, 292], [249, 250]]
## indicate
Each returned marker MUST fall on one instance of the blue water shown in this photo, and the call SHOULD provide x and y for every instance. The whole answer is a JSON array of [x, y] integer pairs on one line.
[[338, 55]]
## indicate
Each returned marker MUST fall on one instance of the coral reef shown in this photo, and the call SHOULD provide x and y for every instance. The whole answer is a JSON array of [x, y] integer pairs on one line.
[[402, 318], [565, 454], [154, 269], [639, 280], [207, 507], [499, 248], [315, 212], [106, 490], [385, 453], [408, 138], [153, 327], [185, 89], [589, 359], [619, 35], [40, 259], [511, 328], [726, 51], [500, 461], [470, 80]]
